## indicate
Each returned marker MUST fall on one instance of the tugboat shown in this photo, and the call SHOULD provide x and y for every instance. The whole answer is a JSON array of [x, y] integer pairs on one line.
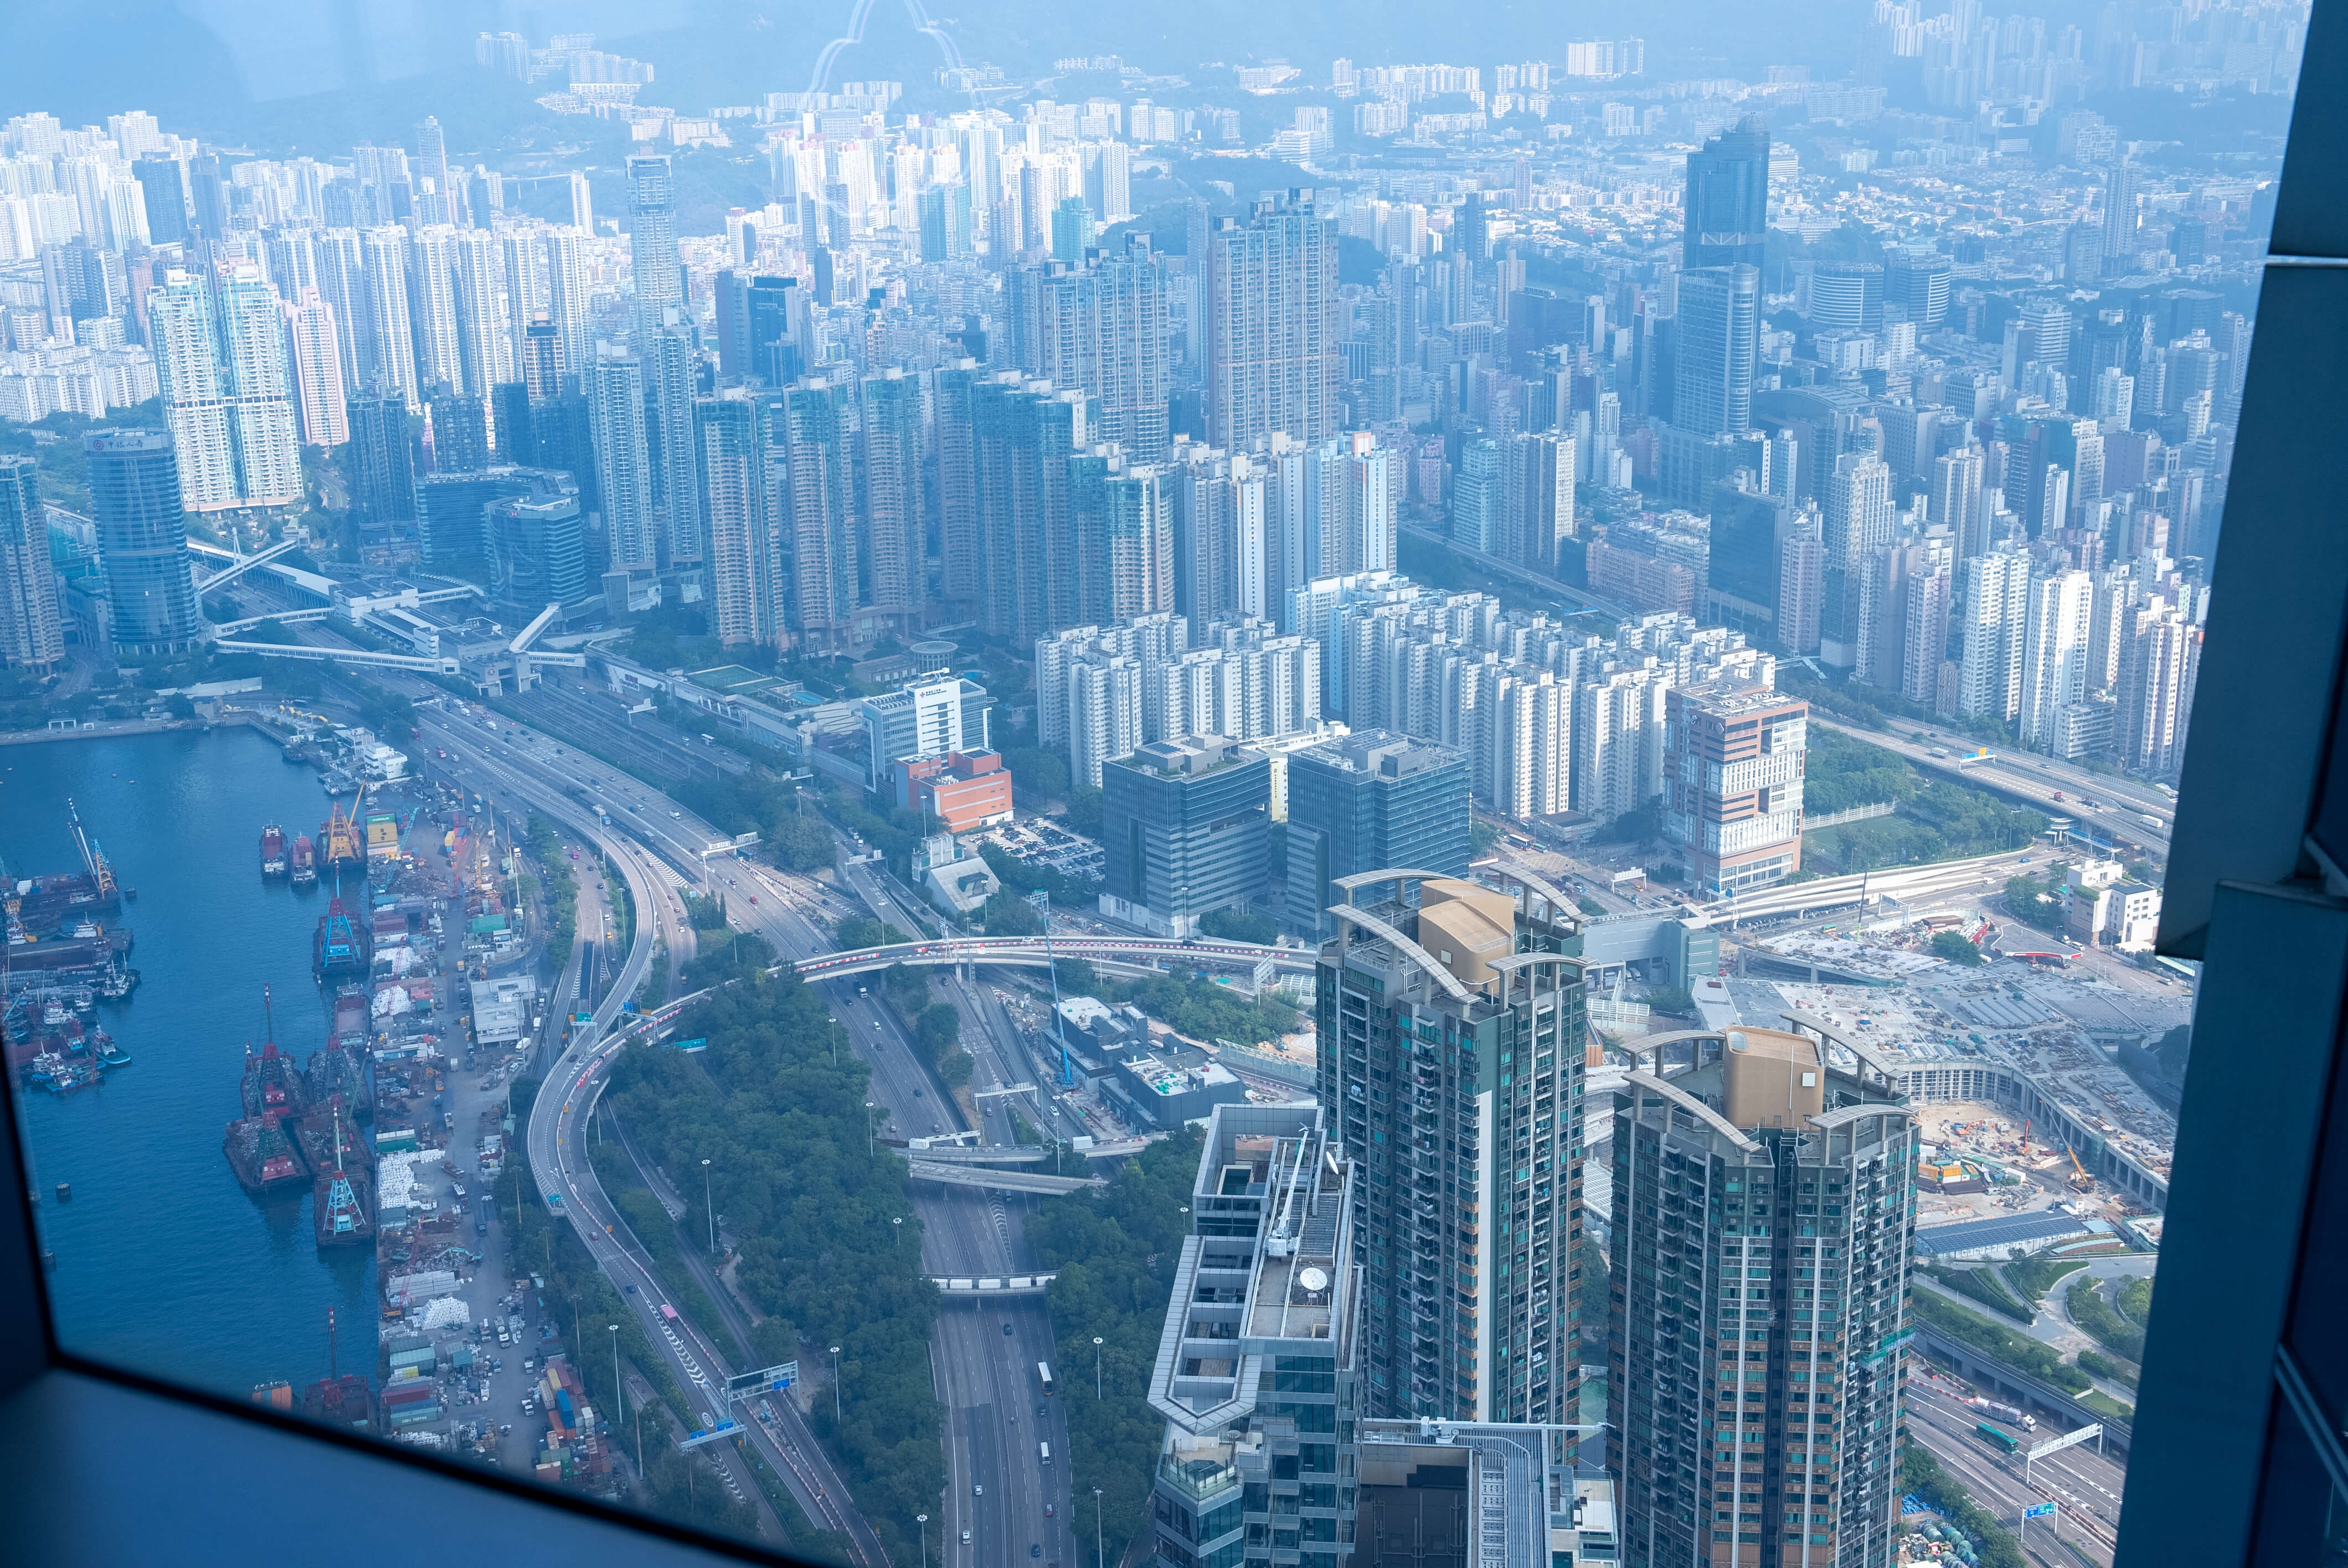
[[273, 851], [305, 862]]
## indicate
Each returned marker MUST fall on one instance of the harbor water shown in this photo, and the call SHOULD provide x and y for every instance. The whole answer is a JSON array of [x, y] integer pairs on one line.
[[163, 1263]]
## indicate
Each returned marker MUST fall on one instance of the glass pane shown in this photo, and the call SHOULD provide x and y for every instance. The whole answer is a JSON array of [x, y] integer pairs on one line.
[[1509, 702]]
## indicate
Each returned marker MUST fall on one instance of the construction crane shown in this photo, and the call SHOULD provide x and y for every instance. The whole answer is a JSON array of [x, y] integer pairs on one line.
[[2079, 1177], [92, 856]]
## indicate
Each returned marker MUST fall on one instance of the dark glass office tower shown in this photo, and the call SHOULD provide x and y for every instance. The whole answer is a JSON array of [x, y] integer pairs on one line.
[[1716, 341], [142, 540], [381, 464], [1728, 198], [164, 191], [1765, 1209], [208, 196], [1186, 823], [1372, 800]]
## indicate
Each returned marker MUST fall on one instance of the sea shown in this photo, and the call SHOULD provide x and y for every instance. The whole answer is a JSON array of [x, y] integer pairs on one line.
[[163, 1264]]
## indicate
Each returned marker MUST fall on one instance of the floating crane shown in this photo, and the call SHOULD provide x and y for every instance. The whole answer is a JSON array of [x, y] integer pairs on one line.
[[92, 856]]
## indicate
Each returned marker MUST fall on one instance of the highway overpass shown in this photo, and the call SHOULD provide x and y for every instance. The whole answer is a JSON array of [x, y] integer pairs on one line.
[[996, 1180], [960, 1288], [1032, 951]]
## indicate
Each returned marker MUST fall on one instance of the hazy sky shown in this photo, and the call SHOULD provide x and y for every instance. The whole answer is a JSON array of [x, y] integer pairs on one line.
[[198, 60]]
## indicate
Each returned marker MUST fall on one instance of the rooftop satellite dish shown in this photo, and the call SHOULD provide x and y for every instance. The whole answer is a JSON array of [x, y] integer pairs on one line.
[[1313, 1278]]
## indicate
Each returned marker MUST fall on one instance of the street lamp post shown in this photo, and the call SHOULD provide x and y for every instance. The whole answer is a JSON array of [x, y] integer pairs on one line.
[[923, 1520], [620, 1392], [1100, 1555], [711, 1202], [870, 1149], [1097, 1375], [835, 1386], [896, 1228]]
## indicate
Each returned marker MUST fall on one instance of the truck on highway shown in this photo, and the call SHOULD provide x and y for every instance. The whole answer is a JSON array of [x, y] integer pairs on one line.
[[2005, 1412]]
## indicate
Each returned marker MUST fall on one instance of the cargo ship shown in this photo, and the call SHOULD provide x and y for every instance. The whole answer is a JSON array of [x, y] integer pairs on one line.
[[273, 851], [265, 1160], [304, 863], [342, 949], [78, 943], [343, 1197], [339, 841]]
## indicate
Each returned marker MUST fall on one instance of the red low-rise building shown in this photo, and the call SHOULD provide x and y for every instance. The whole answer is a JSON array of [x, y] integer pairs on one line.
[[964, 790]]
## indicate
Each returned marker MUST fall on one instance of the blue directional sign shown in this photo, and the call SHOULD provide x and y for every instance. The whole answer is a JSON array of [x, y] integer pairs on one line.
[[2038, 1511]]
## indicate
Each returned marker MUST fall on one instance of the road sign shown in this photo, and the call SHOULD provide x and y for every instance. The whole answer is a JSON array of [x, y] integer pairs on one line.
[[722, 1429], [770, 1380], [700, 1043], [2038, 1511], [2084, 1434]]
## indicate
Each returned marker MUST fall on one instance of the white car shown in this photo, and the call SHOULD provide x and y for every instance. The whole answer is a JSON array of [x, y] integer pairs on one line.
[[977, 1491]]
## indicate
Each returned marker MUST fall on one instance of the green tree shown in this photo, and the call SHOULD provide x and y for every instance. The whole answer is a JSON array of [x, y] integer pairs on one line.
[[940, 1029], [1957, 948], [1116, 1249], [778, 1112], [1240, 925]]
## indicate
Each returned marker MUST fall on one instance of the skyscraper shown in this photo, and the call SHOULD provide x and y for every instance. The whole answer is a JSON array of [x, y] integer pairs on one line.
[[822, 490], [1734, 759], [1990, 631], [1186, 823], [163, 190], [261, 410], [1716, 341], [380, 463], [1272, 326], [1372, 800], [388, 352], [1727, 201], [2057, 617], [1261, 1392], [666, 344], [1451, 1066], [895, 516], [142, 541], [185, 338], [1764, 1217], [31, 635], [582, 204], [614, 388], [1100, 327], [740, 590], [311, 329], [651, 232], [960, 541]]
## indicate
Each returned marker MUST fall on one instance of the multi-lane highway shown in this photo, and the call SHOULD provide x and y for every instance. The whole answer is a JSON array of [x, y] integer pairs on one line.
[[556, 1148], [1013, 1505], [2111, 805], [984, 1355], [2084, 1485]]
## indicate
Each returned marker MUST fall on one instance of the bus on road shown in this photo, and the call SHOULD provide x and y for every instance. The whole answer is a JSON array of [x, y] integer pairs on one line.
[[1997, 1437], [1044, 1370]]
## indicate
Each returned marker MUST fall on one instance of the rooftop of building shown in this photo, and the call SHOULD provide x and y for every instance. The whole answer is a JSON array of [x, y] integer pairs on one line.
[[1268, 1275], [1381, 752], [1737, 699], [1190, 756]]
